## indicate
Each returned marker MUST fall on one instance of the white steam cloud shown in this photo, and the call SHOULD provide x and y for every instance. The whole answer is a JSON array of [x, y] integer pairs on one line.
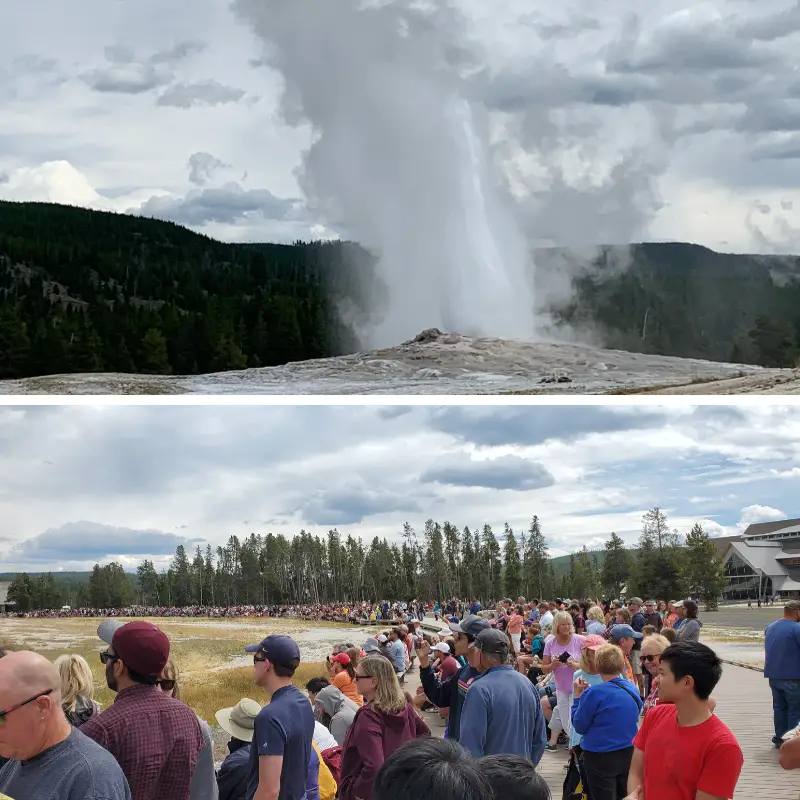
[[399, 160]]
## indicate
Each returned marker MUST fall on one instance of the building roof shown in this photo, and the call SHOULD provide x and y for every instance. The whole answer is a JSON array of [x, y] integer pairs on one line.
[[761, 556], [760, 528], [722, 543]]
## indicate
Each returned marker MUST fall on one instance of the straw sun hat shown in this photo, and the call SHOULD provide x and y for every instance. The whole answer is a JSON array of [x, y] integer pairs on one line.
[[239, 721]]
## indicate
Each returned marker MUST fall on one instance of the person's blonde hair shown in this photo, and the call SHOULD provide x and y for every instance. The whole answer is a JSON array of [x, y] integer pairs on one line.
[[660, 641], [595, 613], [585, 663], [170, 673], [76, 680], [389, 697], [561, 618], [610, 660]]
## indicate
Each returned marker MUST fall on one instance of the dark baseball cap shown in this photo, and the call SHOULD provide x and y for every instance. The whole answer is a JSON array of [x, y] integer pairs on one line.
[[141, 646], [278, 649], [491, 641], [624, 631], [471, 625]]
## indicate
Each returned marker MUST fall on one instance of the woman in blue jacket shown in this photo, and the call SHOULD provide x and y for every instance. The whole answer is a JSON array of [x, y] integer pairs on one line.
[[607, 716]]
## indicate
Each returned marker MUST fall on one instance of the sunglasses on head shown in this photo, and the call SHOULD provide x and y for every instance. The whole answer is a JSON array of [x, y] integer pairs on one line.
[[166, 685], [5, 712]]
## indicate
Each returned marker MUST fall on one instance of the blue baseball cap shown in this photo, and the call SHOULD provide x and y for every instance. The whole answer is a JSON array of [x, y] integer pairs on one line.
[[453, 619], [278, 649], [624, 631]]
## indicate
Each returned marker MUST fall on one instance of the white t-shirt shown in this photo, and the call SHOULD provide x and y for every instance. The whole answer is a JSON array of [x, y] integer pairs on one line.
[[547, 620], [322, 737]]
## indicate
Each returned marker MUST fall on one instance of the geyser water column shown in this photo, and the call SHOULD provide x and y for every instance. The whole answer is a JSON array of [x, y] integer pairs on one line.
[[398, 164]]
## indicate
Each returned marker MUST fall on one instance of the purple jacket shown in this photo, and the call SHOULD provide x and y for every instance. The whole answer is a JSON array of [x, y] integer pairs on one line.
[[372, 737]]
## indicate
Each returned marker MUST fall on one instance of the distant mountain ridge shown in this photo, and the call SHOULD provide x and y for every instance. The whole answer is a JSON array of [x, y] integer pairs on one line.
[[91, 291]]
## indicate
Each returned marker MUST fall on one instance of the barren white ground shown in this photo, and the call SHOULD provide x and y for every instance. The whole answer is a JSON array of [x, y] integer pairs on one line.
[[449, 364]]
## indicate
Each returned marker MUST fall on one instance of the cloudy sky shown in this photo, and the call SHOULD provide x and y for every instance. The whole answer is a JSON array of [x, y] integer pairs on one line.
[[610, 120], [85, 484]]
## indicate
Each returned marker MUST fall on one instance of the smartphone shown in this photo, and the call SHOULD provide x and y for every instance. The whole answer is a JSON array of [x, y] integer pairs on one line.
[[564, 657]]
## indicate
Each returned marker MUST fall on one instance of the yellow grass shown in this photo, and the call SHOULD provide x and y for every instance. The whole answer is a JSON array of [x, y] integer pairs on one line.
[[201, 653]]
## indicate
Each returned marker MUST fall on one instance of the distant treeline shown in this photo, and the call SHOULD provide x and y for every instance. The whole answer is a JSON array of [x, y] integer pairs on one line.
[[443, 561], [91, 291]]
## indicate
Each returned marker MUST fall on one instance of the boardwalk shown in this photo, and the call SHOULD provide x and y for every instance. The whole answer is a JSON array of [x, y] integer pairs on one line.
[[744, 704]]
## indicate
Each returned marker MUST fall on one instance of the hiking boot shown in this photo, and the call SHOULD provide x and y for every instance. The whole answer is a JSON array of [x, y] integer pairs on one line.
[[551, 748]]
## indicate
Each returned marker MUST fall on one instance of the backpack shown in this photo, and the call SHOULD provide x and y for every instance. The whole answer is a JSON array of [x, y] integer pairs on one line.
[[573, 783]]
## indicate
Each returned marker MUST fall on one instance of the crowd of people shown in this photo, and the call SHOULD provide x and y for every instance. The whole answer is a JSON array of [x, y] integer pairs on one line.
[[509, 690], [355, 613]]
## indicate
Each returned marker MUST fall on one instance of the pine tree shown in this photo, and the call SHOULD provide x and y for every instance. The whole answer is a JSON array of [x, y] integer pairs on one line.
[[616, 570], [154, 359], [492, 564], [584, 582], [703, 570], [535, 563], [512, 576]]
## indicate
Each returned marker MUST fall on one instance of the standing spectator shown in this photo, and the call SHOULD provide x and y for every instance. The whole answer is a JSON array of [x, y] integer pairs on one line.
[[705, 758], [284, 729], [397, 653], [501, 713], [514, 628], [450, 693], [651, 615], [595, 624], [562, 657], [625, 637], [155, 738], [606, 716], [50, 759], [782, 669], [689, 630], [385, 722], [239, 723], [638, 622], [77, 688]]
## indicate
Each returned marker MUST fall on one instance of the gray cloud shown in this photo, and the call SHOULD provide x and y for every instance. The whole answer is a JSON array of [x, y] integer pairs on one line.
[[205, 93], [123, 77], [86, 541], [203, 167], [506, 473], [227, 204], [526, 426], [349, 507]]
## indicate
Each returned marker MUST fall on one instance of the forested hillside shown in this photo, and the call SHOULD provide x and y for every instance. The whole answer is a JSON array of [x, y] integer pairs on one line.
[[90, 291]]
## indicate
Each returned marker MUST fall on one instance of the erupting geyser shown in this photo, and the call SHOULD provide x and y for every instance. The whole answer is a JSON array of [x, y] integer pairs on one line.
[[398, 162]]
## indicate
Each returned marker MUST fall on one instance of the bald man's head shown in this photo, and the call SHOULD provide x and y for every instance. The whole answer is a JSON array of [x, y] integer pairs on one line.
[[30, 681]]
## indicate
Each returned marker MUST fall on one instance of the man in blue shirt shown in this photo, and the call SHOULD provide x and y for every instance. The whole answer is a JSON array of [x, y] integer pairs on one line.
[[782, 668], [502, 714], [284, 729], [397, 652]]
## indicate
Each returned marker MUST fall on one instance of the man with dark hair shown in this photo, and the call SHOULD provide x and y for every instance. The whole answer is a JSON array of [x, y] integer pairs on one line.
[[513, 778], [431, 769], [315, 686], [155, 738], [782, 669], [704, 759], [284, 729], [501, 713], [451, 692]]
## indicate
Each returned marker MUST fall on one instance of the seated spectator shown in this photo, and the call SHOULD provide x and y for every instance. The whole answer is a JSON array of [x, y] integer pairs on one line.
[[513, 778], [315, 686], [238, 722], [431, 769], [50, 758], [77, 689], [344, 679]]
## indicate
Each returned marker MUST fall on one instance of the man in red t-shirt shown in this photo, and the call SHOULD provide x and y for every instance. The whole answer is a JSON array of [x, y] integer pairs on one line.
[[683, 751]]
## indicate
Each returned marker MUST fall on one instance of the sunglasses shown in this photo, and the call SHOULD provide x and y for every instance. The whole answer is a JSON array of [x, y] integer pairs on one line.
[[650, 658], [166, 685], [7, 711], [361, 677], [259, 657], [105, 657]]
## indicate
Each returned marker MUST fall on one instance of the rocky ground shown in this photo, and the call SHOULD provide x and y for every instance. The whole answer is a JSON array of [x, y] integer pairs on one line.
[[448, 364]]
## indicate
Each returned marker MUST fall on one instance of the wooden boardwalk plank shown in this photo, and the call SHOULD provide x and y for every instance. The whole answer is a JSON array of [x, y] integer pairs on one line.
[[744, 704]]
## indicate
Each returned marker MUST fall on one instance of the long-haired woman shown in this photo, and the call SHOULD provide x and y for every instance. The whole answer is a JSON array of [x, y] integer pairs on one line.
[[386, 721], [77, 689], [344, 677]]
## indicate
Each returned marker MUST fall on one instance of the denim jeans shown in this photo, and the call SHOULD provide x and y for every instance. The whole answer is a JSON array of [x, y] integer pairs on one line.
[[785, 705]]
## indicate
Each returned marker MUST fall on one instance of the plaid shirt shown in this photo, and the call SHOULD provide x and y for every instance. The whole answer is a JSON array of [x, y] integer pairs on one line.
[[155, 738]]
